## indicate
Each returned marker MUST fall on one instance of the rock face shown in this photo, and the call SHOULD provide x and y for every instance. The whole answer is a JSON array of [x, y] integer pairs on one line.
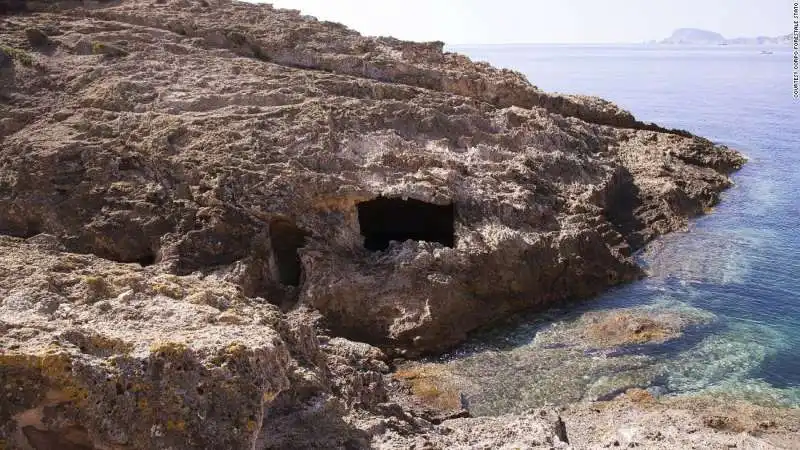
[[99, 354], [193, 192]]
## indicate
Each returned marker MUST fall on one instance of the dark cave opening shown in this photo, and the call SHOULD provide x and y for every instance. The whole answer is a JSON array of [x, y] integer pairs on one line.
[[147, 259], [392, 219], [24, 230], [286, 238]]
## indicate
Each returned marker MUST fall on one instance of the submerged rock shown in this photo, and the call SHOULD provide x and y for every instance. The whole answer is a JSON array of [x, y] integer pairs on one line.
[[589, 356], [629, 326]]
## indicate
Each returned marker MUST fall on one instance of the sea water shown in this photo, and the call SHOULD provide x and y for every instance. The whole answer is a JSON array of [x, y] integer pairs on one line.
[[737, 269]]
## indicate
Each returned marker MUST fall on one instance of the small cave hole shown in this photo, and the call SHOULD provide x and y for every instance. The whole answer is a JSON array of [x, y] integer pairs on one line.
[[285, 239], [147, 259], [392, 219], [24, 231]]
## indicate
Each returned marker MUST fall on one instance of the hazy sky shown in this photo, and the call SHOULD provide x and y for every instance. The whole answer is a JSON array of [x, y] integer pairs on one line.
[[550, 21]]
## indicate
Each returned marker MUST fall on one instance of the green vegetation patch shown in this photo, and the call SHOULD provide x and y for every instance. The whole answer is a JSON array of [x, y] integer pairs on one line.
[[101, 48], [21, 56]]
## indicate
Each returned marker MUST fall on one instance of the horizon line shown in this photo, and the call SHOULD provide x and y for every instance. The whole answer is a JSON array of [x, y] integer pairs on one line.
[[649, 42]]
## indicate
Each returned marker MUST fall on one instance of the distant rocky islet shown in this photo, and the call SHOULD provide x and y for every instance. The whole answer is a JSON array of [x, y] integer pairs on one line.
[[695, 36]]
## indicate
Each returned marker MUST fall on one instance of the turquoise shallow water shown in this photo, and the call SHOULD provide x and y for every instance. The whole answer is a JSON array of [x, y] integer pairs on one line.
[[738, 267]]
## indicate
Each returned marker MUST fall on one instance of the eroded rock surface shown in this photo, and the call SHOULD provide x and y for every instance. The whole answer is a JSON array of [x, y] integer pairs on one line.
[[636, 420], [196, 195], [218, 136], [99, 354]]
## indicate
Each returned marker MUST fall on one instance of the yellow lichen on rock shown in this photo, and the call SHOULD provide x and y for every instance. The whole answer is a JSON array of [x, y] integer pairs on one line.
[[176, 425], [97, 288], [167, 287], [168, 349]]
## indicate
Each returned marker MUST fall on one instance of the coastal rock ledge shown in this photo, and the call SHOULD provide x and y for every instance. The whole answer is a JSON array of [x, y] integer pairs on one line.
[[220, 221]]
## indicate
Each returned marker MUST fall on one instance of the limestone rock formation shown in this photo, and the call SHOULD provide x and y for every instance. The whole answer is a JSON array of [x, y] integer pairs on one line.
[[194, 191], [231, 137], [98, 354]]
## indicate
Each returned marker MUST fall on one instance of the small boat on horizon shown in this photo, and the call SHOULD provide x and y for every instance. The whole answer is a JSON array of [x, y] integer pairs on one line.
[[766, 52]]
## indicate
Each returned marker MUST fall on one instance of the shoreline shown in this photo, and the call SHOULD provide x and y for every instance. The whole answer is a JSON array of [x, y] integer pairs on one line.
[[212, 226]]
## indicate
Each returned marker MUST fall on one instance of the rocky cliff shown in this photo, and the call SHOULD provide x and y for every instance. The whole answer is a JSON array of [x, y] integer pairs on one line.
[[205, 204]]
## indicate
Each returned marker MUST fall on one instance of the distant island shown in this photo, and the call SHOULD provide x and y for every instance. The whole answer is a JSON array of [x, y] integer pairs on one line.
[[694, 36]]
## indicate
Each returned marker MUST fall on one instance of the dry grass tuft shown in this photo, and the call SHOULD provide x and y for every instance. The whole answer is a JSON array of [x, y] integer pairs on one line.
[[20, 56]]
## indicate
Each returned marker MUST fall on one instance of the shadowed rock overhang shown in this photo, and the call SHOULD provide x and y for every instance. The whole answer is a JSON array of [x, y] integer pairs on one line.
[[383, 220]]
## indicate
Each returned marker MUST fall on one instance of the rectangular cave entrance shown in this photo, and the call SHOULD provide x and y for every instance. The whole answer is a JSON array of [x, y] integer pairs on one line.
[[392, 219], [286, 238]]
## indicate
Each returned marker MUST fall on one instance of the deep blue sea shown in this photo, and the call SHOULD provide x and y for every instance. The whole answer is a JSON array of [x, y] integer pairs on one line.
[[739, 267]]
